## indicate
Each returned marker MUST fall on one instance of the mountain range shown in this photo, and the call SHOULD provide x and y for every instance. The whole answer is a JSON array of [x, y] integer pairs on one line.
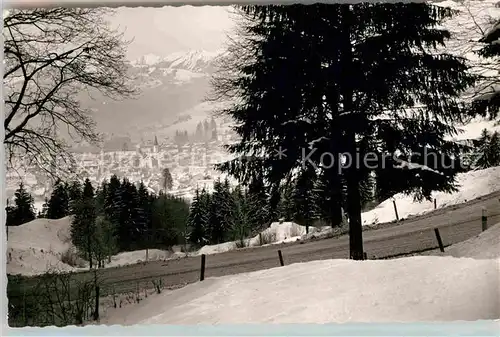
[[172, 92]]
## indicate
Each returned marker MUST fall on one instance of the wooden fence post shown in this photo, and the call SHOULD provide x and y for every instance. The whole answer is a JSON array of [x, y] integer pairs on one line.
[[281, 258], [395, 209], [484, 219], [202, 271], [440, 242], [435, 203]]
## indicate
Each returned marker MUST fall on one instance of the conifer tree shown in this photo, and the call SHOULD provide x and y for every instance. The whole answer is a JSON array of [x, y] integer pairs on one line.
[[487, 100], [74, 194], [170, 217], [83, 225], [305, 211], [487, 151], [198, 221], [329, 198], [144, 215], [343, 97], [59, 201], [100, 196], [242, 215], [112, 202], [220, 213], [23, 210], [286, 206], [104, 241], [167, 180], [367, 190], [258, 200], [128, 209]]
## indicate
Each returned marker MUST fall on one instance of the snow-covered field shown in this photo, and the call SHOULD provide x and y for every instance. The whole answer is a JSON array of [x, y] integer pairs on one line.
[[38, 246], [423, 288], [472, 185]]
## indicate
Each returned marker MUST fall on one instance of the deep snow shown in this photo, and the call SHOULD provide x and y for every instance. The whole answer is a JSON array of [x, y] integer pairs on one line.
[[401, 290]]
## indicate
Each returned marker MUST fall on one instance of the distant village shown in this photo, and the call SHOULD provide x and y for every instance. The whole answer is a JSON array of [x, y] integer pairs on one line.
[[190, 158]]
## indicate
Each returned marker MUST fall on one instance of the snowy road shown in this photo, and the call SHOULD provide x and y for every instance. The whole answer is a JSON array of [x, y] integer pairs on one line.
[[456, 223]]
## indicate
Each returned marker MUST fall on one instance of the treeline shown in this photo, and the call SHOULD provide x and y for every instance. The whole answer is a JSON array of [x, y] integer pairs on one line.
[[118, 216], [235, 213]]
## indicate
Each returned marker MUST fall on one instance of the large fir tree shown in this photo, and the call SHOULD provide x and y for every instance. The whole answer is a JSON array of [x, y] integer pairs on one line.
[[365, 79]]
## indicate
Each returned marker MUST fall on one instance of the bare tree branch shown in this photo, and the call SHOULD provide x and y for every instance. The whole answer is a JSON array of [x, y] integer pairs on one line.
[[51, 57]]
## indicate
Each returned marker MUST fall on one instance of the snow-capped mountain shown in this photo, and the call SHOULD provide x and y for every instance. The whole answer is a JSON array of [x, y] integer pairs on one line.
[[168, 85], [193, 60]]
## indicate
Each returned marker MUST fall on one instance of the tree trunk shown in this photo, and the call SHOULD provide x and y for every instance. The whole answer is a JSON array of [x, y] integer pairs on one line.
[[353, 193], [354, 211]]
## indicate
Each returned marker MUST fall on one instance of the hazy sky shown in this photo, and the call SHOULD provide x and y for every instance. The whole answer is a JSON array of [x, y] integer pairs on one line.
[[165, 30]]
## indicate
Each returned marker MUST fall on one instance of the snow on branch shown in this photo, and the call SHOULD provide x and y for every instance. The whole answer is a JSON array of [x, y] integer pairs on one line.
[[320, 139], [404, 165], [296, 121]]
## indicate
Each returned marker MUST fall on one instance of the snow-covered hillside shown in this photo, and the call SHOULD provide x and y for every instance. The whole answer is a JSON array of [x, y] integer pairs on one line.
[[38, 246], [337, 291], [471, 185]]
